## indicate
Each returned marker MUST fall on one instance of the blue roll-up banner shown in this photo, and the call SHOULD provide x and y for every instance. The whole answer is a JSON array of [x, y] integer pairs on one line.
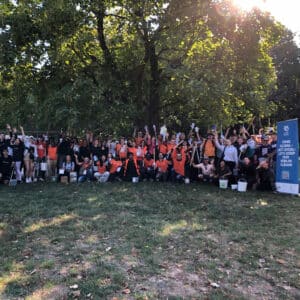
[[287, 157]]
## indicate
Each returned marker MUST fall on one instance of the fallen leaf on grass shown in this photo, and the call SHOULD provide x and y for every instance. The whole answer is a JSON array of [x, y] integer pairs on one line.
[[163, 265], [126, 291], [281, 261], [134, 252], [76, 294]]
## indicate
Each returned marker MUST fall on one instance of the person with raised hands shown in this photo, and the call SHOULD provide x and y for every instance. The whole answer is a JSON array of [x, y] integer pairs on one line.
[[18, 151], [207, 170], [85, 169], [229, 152], [208, 147], [30, 155], [178, 160]]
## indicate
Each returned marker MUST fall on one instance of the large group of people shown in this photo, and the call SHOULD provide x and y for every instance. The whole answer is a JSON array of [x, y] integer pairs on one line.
[[145, 156]]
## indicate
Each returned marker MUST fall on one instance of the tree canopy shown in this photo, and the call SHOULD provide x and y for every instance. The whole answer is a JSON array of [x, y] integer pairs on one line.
[[114, 64]]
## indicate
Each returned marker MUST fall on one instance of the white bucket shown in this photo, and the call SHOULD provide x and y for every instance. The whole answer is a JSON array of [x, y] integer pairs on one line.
[[12, 182], [242, 186], [135, 179], [234, 187], [223, 183], [103, 179], [73, 177], [44, 166], [61, 171]]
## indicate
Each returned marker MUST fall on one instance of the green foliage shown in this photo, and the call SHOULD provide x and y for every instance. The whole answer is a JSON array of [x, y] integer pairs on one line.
[[286, 57], [111, 64]]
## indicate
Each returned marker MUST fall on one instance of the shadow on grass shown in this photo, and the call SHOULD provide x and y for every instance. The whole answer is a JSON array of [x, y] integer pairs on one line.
[[146, 240]]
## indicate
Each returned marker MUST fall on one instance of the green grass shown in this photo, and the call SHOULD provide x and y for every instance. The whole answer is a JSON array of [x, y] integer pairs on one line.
[[147, 241]]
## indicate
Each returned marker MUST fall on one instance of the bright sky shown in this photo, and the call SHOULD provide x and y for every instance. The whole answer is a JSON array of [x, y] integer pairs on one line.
[[285, 11]]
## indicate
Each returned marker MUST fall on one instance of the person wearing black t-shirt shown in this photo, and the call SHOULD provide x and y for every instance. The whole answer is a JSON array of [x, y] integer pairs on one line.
[[265, 177], [247, 171], [3, 143], [5, 166], [18, 153]]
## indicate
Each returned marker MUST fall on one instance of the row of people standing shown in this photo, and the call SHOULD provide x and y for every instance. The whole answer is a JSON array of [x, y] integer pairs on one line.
[[182, 154]]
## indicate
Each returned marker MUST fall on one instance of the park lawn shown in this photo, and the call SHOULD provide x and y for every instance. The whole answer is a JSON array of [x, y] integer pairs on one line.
[[147, 241]]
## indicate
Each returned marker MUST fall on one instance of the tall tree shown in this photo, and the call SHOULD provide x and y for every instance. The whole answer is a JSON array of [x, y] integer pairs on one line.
[[109, 64]]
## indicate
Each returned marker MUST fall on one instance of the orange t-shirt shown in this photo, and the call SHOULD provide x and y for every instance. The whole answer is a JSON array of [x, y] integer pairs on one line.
[[133, 151], [101, 169], [114, 165], [178, 165], [209, 148], [170, 146], [162, 165], [52, 153], [41, 149], [148, 163], [163, 148]]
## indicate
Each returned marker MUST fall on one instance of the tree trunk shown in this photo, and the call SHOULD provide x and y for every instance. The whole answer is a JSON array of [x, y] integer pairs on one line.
[[154, 93]]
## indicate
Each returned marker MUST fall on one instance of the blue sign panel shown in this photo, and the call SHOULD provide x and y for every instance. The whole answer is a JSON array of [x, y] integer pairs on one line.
[[287, 157]]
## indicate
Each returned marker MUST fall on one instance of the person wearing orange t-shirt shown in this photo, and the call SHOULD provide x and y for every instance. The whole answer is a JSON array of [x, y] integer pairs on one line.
[[52, 159], [209, 148], [163, 147], [131, 168], [147, 171], [178, 159], [132, 149], [161, 167], [115, 168], [41, 151]]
